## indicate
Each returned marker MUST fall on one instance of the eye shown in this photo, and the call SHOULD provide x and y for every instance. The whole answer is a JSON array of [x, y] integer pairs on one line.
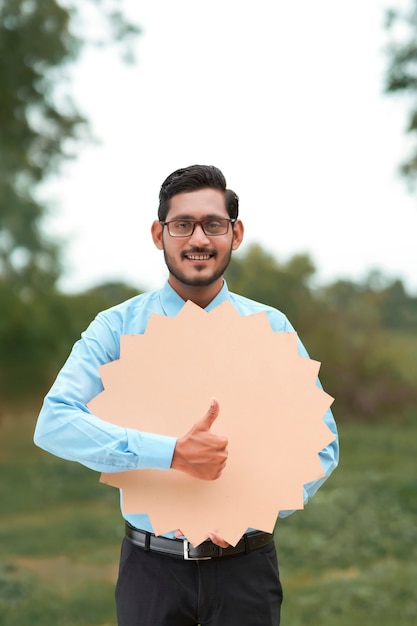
[[180, 226], [214, 226]]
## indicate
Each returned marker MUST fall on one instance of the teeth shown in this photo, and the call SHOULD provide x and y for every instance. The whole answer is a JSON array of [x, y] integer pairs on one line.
[[199, 257]]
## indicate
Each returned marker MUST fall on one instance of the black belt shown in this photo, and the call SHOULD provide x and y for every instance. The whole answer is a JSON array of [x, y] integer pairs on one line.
[[206, 550]]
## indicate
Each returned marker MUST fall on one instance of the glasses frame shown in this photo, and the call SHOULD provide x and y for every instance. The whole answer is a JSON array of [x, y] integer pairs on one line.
[[194, 223]]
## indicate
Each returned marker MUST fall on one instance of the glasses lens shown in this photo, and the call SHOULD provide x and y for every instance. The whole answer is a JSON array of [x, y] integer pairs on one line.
[[215, 227], [180, 228], [184, 228]]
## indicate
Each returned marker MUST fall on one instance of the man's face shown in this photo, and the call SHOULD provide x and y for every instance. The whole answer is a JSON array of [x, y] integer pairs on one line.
[[198, 260]]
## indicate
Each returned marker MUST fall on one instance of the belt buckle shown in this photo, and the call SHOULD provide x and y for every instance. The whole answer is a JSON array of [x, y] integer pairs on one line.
[[187, 557]]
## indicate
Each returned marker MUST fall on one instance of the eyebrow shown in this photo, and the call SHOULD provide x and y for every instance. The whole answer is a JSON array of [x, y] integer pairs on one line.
[[210, 216]]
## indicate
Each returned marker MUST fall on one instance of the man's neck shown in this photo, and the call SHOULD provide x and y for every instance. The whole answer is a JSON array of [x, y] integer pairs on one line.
[[202, 296]]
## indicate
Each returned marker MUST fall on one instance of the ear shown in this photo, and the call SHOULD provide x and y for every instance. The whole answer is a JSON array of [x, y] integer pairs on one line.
[[238, 232], [156, 231]]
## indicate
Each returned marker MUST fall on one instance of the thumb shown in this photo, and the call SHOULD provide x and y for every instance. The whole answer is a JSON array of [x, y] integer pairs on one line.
[[211, 415]]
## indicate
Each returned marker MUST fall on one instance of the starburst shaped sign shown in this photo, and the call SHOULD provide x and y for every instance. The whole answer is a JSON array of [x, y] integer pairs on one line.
[[271, 411]]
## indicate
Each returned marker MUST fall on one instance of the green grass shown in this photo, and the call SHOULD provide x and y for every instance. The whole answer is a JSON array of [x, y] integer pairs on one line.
[[349, 558]]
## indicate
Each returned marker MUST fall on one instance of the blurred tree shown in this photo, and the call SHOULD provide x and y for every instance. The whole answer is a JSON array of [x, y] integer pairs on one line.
[[40, 127], [39, 123], [368, 363], [397, 308], [401, 76], [78, 310], [35, 340], [258, 275]]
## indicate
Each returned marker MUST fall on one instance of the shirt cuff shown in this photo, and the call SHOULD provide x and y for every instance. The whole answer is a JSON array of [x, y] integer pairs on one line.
[[153, 451]]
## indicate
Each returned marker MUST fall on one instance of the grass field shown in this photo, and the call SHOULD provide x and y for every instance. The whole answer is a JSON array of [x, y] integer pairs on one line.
[[350, 558]]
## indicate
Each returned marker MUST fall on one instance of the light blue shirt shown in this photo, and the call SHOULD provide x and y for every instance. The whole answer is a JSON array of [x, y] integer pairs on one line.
[[66, 427]]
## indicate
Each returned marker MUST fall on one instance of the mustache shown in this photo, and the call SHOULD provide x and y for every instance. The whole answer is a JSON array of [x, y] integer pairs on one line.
[[210, 251]]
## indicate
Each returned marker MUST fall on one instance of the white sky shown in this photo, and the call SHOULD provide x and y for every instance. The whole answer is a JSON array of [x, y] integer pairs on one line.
[[286, 97]]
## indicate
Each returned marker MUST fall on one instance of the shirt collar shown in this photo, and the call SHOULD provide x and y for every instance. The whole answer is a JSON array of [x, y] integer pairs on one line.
[[172, 303]]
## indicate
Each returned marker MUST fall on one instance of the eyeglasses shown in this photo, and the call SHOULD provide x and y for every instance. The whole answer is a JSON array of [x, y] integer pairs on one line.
[[211, 227]]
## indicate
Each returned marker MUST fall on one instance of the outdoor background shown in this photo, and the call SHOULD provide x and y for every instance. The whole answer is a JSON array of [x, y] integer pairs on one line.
[[310, 111]]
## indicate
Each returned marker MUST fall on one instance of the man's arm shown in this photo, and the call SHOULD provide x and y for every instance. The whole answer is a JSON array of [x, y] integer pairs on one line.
[[67, 429]]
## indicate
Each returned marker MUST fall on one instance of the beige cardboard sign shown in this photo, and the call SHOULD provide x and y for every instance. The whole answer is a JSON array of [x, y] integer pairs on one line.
[[271, 411]]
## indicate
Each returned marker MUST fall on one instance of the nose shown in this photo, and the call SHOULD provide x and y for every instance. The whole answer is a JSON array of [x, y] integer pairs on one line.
[[199, 237]]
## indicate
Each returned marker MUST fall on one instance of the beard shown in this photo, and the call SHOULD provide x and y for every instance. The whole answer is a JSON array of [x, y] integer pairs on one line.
[[196, 281]]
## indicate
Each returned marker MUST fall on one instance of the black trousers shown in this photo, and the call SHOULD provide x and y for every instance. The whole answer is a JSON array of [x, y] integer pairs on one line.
[[158, 590]]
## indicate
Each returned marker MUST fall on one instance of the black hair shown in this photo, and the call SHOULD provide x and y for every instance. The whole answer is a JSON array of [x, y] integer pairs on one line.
[[193, 178]]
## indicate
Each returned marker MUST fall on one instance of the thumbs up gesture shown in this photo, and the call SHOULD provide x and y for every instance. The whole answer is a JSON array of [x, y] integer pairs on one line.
[[200, 453]]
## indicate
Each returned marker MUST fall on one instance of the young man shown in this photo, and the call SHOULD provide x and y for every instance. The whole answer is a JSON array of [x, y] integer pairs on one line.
[[197, 230]]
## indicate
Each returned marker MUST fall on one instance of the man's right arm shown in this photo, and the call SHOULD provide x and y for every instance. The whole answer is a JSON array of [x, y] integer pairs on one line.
[[66, 427]]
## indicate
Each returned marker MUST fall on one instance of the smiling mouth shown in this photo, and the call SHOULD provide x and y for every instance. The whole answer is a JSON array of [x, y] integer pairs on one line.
[[198, 257]]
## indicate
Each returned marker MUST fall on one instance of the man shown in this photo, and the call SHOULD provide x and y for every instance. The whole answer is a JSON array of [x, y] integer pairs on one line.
[[215, 584]]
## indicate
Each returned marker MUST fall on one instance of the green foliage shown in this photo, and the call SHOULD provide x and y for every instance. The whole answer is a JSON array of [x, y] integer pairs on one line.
[[397, 309], [39, 125], [402, 71], [39, 128], [369, 358], [259, 276], [36, 335], [348, 558]]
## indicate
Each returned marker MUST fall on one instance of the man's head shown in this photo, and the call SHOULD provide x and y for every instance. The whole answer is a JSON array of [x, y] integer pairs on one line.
[[197, 230], [193, 178]]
